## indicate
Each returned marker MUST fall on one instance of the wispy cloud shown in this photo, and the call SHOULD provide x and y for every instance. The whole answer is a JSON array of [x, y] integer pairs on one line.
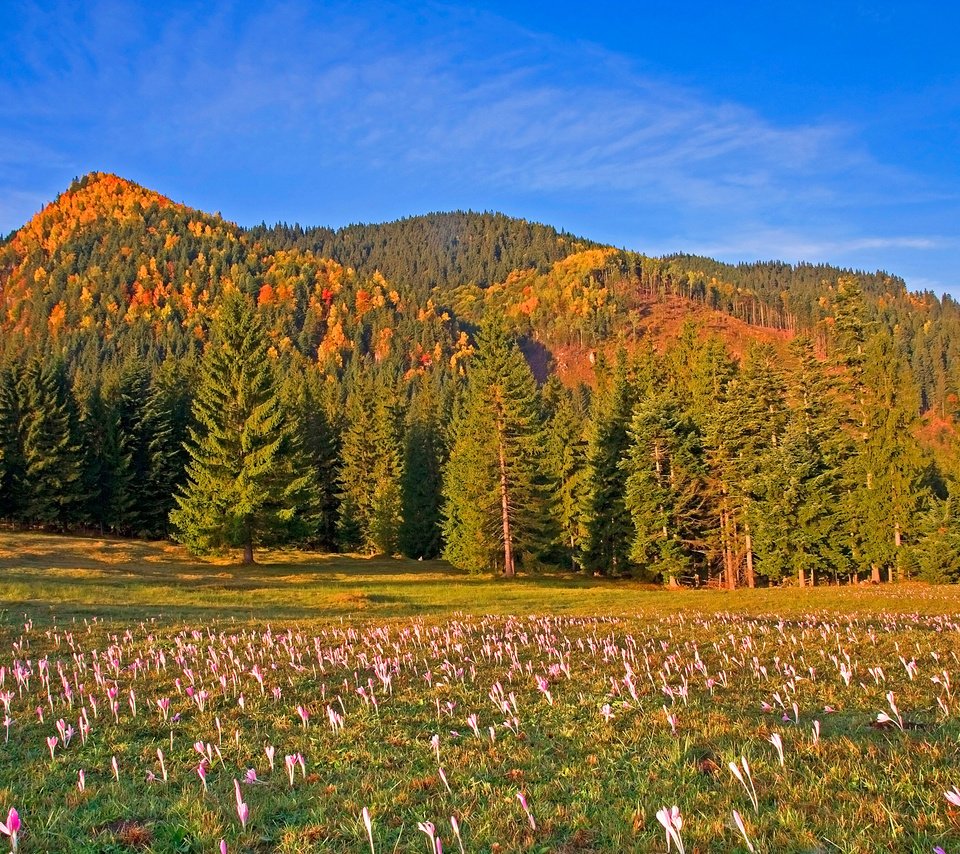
[[785, 245], [437, 103]]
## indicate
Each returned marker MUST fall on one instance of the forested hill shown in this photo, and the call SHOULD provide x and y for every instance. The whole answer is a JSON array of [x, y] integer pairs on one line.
[[437, 250], [111, 270], [707, 413]]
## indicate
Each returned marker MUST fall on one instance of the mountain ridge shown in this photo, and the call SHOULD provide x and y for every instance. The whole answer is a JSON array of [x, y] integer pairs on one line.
[[110, 268]]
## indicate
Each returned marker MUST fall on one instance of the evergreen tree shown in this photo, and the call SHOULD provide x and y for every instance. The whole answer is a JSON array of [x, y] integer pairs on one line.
[[794, 488], [494, 498], [609, 527], [566, 464], [749, 424], [104, 465], [166, 418], [51, 448], [884, 471], [666, 490], [370, 499], [422, 483], [247, 481], [937, 551], [12, 463], [315, 398]]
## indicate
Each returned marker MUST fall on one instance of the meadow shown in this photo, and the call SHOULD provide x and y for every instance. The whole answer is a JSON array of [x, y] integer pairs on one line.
[[154, 702]]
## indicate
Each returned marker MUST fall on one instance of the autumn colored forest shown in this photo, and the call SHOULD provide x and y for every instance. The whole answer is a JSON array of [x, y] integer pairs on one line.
[[475, 387]]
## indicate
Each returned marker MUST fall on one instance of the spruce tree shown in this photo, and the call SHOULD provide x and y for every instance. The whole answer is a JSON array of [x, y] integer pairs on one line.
[[885, 470], [566, 464], [51, 448], [937, 552], [421, 489], [166, 417], [104, 465], [315, 398], [794, 497], [750, 423], [609, 527], [494, 497], [666, 490], [12, 462], [247, 482], [370, 499]]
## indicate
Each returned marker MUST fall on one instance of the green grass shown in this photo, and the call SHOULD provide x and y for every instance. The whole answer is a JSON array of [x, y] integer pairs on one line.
[[140, 616]]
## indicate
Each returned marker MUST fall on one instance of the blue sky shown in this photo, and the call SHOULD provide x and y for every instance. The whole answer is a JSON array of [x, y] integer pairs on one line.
[[796, 131]]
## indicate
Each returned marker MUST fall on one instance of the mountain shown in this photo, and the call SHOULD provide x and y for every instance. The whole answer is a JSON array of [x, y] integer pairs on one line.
[[107, 297], [110, 270]]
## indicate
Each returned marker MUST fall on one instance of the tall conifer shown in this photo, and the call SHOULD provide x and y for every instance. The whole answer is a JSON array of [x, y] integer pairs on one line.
[[493, 489], [247, 482]]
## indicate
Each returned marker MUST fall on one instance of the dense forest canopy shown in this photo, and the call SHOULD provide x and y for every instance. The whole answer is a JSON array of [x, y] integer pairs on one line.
[[690, 420]]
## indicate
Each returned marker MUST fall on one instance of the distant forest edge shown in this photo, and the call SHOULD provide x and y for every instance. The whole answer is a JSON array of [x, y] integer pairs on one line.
[[475, 386]]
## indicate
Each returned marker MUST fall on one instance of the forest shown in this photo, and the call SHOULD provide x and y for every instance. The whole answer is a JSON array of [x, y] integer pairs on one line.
[[476, 387]]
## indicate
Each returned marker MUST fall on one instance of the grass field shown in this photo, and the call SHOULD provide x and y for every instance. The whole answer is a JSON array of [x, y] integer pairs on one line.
[[270, 706]]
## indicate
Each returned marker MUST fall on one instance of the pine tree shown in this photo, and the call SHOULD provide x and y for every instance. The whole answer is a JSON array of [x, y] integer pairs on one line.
[[666, 490], [370, 501], [247, 481], [422, 483], [609, 526], [493, 492], [51, 447]]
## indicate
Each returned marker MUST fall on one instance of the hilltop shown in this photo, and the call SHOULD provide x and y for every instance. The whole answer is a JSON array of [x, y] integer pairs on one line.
[[110, 269], [754, 375]]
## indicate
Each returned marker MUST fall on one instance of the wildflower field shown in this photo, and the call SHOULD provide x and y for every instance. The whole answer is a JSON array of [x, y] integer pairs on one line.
[[332, 704]]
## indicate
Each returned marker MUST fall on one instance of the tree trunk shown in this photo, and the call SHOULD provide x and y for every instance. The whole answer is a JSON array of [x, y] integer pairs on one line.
[[725, 545], [801, 578], [508, 568], [248, 553], [897, 542], [874, 573], [751, 578]]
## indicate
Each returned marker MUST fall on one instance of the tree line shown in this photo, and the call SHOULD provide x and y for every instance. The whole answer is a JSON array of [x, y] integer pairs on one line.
[[683, 466]]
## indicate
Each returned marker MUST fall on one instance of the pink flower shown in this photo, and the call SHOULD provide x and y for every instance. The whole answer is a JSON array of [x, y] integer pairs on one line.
[[243, 810], [368, 824], [523, 802], [672, 822], [11, 827], [953, 796]]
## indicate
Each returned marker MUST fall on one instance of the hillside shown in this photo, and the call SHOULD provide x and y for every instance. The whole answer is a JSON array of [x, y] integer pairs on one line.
[[110, 296], [111, 269]]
